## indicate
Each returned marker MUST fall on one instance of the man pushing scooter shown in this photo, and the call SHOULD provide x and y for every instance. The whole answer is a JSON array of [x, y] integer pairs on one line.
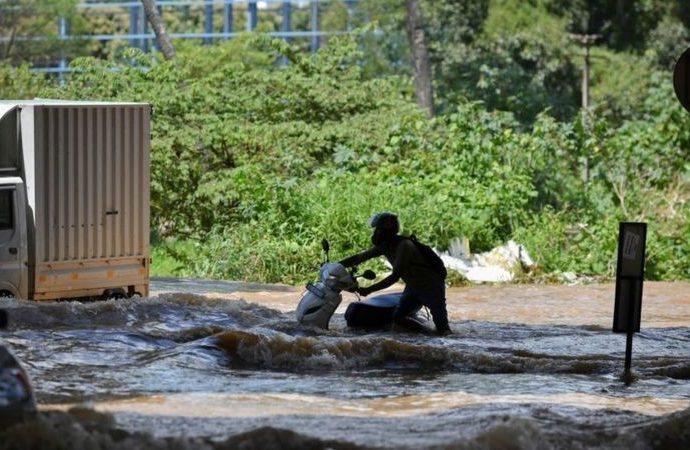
[[419, 268]]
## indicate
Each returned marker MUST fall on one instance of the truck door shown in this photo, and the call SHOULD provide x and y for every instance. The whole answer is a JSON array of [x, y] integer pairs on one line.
[[12, 243]]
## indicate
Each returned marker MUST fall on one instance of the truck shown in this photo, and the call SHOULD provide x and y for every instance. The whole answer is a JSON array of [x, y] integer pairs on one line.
[[74, 199]]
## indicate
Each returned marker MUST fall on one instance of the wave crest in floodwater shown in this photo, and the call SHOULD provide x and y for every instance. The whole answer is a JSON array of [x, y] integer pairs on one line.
[[254, 336], [174, 310], [280, 351]]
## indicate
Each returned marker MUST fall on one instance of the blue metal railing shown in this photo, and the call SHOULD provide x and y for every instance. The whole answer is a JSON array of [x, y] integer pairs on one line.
[[141, 37]]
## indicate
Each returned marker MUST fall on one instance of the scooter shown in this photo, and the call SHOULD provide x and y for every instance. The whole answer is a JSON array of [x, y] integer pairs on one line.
[[319, 302]]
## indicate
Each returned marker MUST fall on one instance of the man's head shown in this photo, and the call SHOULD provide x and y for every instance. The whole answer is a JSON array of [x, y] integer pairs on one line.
[[386, 226]]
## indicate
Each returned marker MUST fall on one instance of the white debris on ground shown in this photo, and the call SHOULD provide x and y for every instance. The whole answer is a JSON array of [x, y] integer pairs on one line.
[[501, 264]]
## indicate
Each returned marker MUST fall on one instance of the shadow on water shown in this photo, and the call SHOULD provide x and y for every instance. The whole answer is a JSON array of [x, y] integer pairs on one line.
[[505, 427]]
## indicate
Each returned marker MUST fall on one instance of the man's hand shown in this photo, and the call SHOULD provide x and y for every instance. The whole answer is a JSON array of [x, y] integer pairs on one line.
[[363, 291]]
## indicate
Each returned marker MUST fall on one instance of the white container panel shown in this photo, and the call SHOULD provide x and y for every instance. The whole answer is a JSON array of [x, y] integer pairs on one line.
[[92, 185]]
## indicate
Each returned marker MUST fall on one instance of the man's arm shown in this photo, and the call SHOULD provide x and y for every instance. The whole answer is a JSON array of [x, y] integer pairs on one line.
[[359, 258], [389, 281], [402, 260]]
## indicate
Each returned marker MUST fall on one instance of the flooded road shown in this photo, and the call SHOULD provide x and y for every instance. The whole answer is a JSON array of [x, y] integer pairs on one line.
[[206, 364]]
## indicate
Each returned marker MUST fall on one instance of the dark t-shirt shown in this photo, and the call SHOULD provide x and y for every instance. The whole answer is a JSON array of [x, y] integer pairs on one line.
[[407, 261]]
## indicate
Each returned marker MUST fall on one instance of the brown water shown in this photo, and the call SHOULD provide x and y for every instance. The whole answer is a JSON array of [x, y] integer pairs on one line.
[[200, 362], [666, 304]]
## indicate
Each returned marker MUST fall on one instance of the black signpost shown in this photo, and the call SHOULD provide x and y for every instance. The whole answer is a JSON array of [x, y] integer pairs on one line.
[[632, 238]]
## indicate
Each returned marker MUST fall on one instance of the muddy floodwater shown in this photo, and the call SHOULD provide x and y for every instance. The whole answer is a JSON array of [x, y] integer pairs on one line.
[[208, 364]]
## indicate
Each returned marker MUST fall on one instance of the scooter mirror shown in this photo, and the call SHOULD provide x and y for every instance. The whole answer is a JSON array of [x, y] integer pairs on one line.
[[3, 318], [326, 247], [369, 274]]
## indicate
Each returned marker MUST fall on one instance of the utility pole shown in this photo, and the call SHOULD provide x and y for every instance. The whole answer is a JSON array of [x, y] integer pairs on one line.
[[586, 41]]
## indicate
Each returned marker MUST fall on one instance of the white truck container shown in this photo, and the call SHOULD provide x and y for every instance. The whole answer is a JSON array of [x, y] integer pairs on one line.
[[74, 199]]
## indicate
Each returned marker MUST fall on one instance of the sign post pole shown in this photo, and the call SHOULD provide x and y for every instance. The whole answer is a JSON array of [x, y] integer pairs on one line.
[[632, 238], [627, 374]]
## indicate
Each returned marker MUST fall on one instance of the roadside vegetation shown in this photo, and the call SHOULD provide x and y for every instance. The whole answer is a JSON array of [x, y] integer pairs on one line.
[[260, 150]]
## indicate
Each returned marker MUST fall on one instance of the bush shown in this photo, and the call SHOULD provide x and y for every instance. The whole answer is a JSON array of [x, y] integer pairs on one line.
[[253, 163]]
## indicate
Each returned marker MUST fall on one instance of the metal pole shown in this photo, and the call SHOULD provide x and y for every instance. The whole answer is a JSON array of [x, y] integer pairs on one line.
[[287, 18], [141, 18], [63, 29], [252, 14], [133, 24], [287, 27], [227, 18], [350, 5], [627, 375], [315, 42], [208, 23]]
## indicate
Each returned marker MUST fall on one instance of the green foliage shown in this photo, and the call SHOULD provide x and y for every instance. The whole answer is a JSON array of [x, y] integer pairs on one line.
[[620, 84], [451, 23], [386, 51], [561, 241], [668, 246], [519, 73], [511, 17], [518, 60], [19, 83], [667, 42], [229, 111], [622, 25], [254, 162]]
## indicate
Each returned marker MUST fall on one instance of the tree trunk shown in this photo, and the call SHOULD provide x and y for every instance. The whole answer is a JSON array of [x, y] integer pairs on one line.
[[158, 28], [420, 56]]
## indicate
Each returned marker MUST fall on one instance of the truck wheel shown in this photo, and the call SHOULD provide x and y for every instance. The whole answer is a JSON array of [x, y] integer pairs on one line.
[[132, 293], [114, 294]]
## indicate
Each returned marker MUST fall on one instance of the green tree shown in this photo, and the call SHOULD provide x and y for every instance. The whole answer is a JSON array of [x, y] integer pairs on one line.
[[667, 42], [521, 74], [623, 24]]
